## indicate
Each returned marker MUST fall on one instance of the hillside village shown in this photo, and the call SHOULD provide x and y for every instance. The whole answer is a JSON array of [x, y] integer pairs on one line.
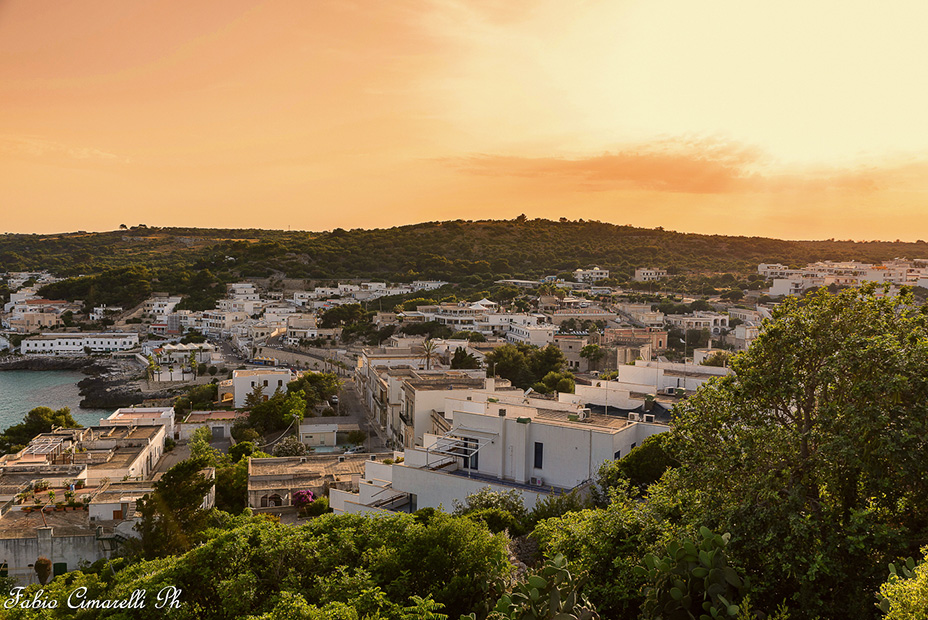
[[423, 416]]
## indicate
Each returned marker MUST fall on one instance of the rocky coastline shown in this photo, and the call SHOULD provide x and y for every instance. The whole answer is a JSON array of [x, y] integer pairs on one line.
[[110, 383]]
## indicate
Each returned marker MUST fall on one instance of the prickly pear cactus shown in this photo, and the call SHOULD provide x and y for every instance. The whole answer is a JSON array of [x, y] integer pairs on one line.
[[692, 581]]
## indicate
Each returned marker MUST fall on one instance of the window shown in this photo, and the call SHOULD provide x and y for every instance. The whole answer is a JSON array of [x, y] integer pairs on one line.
[[470, 462], [265, 383], [617, 455], [539, 454]]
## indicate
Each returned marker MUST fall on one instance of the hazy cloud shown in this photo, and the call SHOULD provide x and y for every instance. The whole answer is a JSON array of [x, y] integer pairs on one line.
[[683, 166], [23, 146]]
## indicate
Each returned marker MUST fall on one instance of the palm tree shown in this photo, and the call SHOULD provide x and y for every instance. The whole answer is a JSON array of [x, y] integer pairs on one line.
[[429, 352]]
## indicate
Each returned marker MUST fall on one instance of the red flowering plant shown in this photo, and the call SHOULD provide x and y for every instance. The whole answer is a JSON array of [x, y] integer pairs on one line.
[[303, 498]]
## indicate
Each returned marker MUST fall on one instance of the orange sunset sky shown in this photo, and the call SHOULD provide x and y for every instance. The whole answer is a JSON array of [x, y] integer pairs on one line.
[[790, 119]]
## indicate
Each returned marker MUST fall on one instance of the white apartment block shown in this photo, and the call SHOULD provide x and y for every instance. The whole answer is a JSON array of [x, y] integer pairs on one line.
[[243, 383], [179, 353], [642, 314], [776, 270], [649, 274], [538, 335], [504, 441], [501, 322], [713, 321], [792, 286], [220, 322], [651, 377], [748, 317], [243, 290], [301, 327], [427, 285], [161, 306], [744, 335], [246, 306], [19, 297], [101, 312], [896, 272], [76, 344], [590, 275], [142, 416]]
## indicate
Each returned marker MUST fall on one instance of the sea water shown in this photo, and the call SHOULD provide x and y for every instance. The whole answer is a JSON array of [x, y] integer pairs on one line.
[[23, 390]]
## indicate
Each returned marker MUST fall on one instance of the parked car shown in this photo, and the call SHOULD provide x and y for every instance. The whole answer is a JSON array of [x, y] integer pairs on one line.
[[355, 450], [334, 400]]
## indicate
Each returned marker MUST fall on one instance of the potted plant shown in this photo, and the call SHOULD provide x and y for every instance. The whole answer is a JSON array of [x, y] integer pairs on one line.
[[59, 506], [79, 483]]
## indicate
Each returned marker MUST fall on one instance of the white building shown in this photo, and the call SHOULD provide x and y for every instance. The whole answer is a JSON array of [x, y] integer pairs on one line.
[[243, 290], [650, 377], [161, 306], [744, 336], [243, 383], [301, 327], [427, 285], [179, 353], [219, 423], [244, 306], [590, 275], [220, 322], [142, 416], [504, 441], [78, 344], [649, 274], [896, 272], [538, 335], [712, 321], [642, 314], [101, 312]]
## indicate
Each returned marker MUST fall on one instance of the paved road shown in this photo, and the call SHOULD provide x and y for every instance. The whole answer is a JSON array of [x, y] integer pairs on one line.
[[172, 458], [350, 405]]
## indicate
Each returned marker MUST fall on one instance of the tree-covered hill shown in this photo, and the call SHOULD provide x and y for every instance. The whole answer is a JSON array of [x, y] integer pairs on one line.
[[453, 250]]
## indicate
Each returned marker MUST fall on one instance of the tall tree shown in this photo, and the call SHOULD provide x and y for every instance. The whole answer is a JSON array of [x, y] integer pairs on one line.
[[593, 354], [429, 352], [255, 397], [463, 359], [812, 452], [39, 420], [172, 515]]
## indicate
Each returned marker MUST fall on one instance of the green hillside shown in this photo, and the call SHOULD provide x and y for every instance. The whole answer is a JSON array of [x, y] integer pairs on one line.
[[458, 251]]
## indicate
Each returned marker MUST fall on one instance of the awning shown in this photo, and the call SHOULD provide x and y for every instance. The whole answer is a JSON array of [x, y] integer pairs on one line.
[[462, 442]]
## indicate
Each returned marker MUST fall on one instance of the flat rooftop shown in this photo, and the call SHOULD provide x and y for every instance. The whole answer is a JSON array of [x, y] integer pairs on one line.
[[313, 465], [199, 417], [145, 431], [111, 495], [466, 473], [121, 458], [136, 415], [253, 373], [446, 383], [81, 336], [18, 524], [560, 418], [142, 410]]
